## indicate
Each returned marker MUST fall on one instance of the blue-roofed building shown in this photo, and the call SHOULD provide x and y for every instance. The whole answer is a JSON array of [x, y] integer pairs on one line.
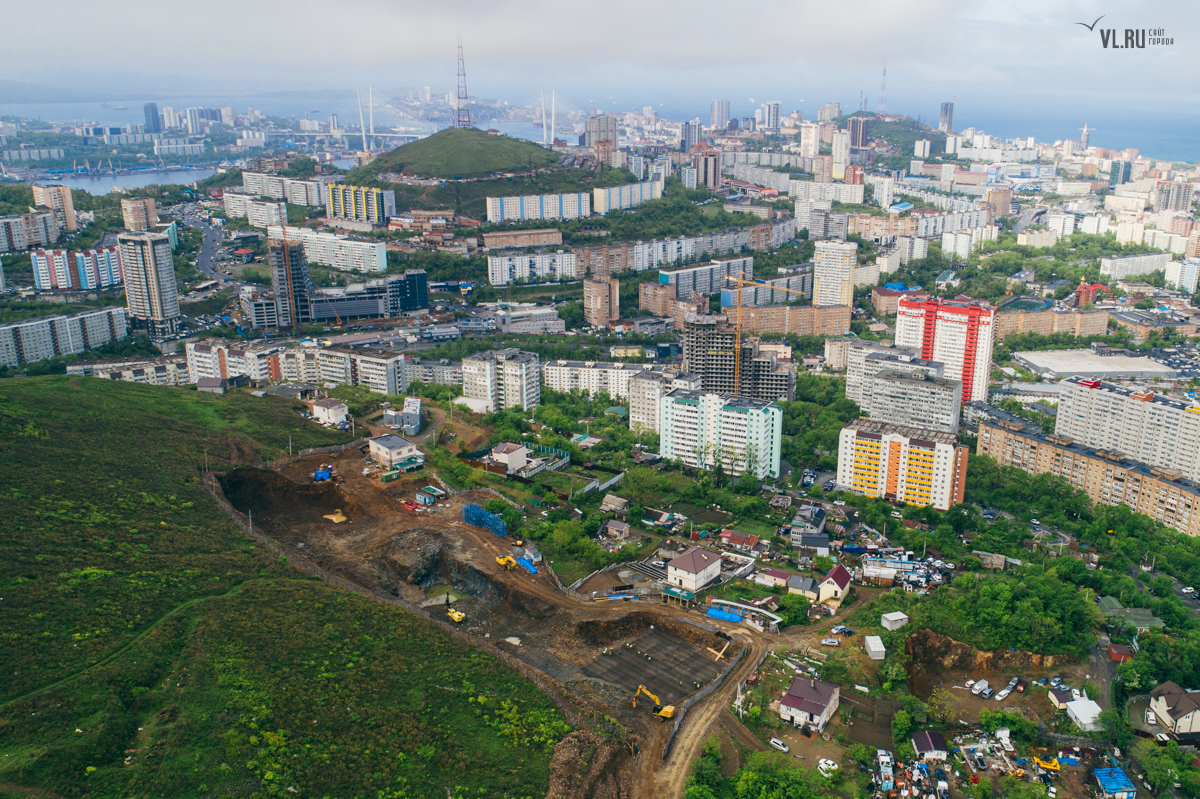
[[897, 286], [1114, 784], [900, 208]]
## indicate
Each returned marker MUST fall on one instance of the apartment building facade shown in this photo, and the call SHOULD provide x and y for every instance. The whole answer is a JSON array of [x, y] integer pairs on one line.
[[139, 213], [864, 362], [334, 250], [541, 267], [707, 278], [539, 206], [1151, 428], [958, 334], [702, 429], [151, 293], [801, 321], [1107, 476], [628, 195], [595, 377], [902, 464], [913, 400], [1076, 322], [33, 340], [506, 378], [708, 344], [608, 259], [221, 358], [57, 198], [360, 204], [833, 273], [601, 301], [646, 390]]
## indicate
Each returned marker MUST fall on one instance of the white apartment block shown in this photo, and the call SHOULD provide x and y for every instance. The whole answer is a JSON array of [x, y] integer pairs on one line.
[[1120, 267], [539, 206], [884, 190], [500, 379], [704, 429], [963, 243], [258, 213], [913, 400], [959, 335], [762, 176], [803, 211], [708, 278], [594, 377], [627, 195], [168, 370], [912, 248], [541, 267], [865, 359], [1062, 224], [1152, 428], [833, 273], [333, 250], [221, 358], [1183, 275], [849, 193], [298, 366], [646, 390], [312, 191], [377, 370], [37, 339]]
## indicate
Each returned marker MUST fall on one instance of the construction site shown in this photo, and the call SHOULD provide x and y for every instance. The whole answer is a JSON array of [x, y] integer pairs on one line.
[[409, 541]]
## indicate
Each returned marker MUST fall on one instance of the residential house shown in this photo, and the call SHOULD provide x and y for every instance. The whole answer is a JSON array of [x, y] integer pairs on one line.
[[816, 543], [1085, 713], [1120, 616], [739, 541], [768, 603], [835, 585], [804, 586], [930, 746], [809, 702], [1177, 709], [1114, 784], [392, 450], [1059, 697], [616, 529], [694, 569], [773, 578], [512, 456], [330, 411], [614, 504]]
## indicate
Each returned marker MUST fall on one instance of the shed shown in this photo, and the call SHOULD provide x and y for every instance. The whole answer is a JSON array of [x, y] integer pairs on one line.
[[1085, 713], [1114, 784], [212, 385], [930, 745], [894, 620], [875, 648], [330, 411], [1119, 653], [1059, 697]]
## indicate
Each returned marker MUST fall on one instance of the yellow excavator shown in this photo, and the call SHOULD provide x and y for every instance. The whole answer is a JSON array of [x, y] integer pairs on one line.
[[665, 711], [506, 562], [456, 616], [1051, 765]]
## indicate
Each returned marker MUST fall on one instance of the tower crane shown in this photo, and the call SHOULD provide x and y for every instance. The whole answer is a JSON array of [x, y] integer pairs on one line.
[[737, 325]]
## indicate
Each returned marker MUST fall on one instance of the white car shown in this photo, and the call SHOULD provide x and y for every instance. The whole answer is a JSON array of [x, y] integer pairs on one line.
[[1000, 697], [780, 745], [826, 767], [1188, 590], [969, 683], [1151, 719], [831, 642]]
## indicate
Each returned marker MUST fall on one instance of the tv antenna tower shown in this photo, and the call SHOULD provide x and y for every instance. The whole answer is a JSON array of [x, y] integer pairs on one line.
[[463, 119], [881, 109]]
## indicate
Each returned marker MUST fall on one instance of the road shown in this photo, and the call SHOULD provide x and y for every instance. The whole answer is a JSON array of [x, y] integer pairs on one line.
[[206, 258], [1028, 217]]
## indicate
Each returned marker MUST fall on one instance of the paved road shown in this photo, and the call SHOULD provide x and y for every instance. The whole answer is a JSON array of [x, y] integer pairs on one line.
[[1027, 218]]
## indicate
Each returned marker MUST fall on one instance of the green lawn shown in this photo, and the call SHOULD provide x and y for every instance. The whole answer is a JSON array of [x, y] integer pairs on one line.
[[136, 617]]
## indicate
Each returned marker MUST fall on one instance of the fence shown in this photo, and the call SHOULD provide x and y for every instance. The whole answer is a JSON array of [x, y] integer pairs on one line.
[[297, 561], [335, 449], [702, 693]]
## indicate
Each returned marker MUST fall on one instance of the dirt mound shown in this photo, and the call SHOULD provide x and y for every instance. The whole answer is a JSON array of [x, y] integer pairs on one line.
[[279, 504], [933, 651], [586, 765]]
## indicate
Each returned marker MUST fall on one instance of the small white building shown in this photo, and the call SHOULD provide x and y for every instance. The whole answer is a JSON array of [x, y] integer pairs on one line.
[[513, 456], [390, 450], [894, 620], [694, 569], [930, 746], [330, 411], [875, 648], [1085, 713]]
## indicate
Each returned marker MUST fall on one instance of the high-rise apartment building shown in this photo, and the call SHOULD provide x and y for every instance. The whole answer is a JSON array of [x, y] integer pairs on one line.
[[858, 131], [33, 340], [501, 379], [707, 278], [151, 294], [833, 273], [139, 213], [57, 198], [708, 344], [708, 169], [291, 282], [361, 204], [1152, 428], [690, 136], [646, 390], [902, 464], [822, 169], [536, 267], [865, 359], [771, 115], [602, 128], [76, 271], [913, 400], [959, 334], [841, 153], [705, 429], [153, 121], [946, 119], [596, 377], [718, 118], [601, 301], [1119, 173], [1168, 196]]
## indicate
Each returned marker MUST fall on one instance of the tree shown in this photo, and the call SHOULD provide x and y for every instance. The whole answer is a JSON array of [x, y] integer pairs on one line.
[[940, 704], [902, 724]]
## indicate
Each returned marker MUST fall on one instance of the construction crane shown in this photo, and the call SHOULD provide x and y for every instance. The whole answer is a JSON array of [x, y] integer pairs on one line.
[[665, 711], [737, 326]]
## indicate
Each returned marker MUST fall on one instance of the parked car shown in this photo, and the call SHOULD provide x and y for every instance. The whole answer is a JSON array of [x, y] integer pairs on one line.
[[980, 763], [1151, 719], [1055, 680], [846, 631], [1188, 590], [1000, 697], [988, 693], [780, 745], [1043, 681], [940, 775], [831, 642], [826, 766], [1162, 737], [1021, 687], [969, 683]]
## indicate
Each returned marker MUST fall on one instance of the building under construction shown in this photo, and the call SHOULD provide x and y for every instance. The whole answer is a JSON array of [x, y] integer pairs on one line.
[[708, 350]]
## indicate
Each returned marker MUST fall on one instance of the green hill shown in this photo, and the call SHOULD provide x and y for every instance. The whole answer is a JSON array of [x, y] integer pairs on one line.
[[903, 132], [150, 648], [463, 152]]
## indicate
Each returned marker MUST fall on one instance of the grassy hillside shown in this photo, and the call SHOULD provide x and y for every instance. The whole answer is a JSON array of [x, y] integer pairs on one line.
[[464, 152], [149, 648], [903, 133]]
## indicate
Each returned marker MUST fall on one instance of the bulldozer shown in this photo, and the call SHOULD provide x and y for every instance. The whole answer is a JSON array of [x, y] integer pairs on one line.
[[456, 616], [506, 562], [664, 711]]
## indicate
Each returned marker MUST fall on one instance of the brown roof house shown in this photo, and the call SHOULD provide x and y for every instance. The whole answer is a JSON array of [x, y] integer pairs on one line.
[[809, 702], [694, 569], [1178, 709]]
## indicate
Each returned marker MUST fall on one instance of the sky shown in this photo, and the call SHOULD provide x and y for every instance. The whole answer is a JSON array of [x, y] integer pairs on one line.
[[1018, 56]]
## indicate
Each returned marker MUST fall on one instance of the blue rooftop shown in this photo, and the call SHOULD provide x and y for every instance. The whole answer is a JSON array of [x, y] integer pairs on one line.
[[900, 208], [900, 287], [1113, 780]]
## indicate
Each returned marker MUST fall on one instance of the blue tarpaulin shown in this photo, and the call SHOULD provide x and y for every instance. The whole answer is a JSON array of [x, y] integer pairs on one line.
[[724, 615], [527, 565]]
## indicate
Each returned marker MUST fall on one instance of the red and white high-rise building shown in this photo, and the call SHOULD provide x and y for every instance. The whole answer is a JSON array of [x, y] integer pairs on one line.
[[956, 333]]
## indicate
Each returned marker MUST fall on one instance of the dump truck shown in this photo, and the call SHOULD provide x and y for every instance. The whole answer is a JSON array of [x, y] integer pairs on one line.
[[660, 710], [456, 616]]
